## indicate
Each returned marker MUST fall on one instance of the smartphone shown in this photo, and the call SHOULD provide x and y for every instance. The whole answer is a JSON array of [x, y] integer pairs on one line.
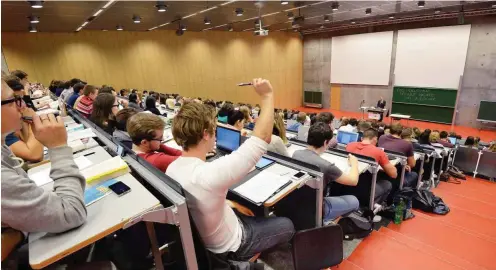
[[298, 175], [120, 188]]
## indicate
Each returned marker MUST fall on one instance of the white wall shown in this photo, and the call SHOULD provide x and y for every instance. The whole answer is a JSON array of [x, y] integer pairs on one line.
[[431, 57], [362, 59]]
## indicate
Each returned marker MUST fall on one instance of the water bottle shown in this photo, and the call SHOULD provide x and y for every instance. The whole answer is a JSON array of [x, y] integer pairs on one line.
[[408, 209], [398, 212]]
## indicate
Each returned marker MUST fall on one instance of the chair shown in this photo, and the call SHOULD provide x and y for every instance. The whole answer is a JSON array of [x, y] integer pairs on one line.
[[466, 158], [487, 163]]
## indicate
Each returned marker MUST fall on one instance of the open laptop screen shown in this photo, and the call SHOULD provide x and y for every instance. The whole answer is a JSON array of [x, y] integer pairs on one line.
[[345, 137], [452, 140], [228, 139]]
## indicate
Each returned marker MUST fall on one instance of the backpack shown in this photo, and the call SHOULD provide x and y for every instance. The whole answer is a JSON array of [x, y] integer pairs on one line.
[[358, 224], [428, 202], [455, 172]]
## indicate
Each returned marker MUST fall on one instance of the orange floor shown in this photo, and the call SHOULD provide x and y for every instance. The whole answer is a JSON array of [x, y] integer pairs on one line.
[[485, 135], [463, 239]]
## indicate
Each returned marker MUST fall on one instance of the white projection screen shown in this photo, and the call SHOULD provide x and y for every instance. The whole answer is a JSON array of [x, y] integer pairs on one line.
[[362, 59], [431, 57]]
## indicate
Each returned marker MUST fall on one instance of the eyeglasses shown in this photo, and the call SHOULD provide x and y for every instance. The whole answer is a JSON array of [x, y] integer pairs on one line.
[[18, 100]]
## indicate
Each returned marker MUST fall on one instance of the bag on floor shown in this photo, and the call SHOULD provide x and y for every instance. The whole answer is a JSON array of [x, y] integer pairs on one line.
[[428, 202], [455, 172], [407, 194], [358, 224], [446, 177]]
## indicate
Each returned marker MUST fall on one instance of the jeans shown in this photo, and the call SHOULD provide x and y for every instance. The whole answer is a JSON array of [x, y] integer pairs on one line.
[[411, 179], [382, 190], [338, 206], [260, 233]]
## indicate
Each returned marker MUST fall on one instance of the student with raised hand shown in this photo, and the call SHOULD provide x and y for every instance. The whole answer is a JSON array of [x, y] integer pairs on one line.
[[278, 139], [25, 206], [319, 137], [394, 142], [85, 103], [147, 131], [207, 184], [367, 147]]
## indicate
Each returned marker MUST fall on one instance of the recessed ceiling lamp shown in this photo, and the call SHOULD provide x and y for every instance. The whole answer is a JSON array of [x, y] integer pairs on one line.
[[34, 19], [183, 27], [257, 22], [32, 29], [36, 4], [207, 21], [326, 18], [239, 12], [119, 28], [353, 22], [437, 11], [368, 11], [421, 4], [104, 30], [391, 16], [161, 6], [136, 19], [335, 6], [284, 2], [290, 16]]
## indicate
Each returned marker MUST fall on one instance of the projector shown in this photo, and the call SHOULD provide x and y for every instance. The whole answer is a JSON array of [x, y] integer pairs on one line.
[[261, 32]]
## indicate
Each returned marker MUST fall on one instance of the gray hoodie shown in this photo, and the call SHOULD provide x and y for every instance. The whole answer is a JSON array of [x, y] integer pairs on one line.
[[28, 208]]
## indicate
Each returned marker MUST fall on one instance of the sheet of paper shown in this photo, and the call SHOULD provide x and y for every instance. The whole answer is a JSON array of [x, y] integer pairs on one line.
[[342, 163], [80, 134], [43, 177], [260, 187]]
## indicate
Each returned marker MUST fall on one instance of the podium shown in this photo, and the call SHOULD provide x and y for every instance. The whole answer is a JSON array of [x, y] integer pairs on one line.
[[373, 113]]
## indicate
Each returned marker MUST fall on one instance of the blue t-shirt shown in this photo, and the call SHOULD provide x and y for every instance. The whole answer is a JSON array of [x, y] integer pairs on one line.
[[294, 127], [11, 139], [72, 100]]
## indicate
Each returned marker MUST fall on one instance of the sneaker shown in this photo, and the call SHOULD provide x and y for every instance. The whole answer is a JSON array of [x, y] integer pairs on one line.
[[377, 218]]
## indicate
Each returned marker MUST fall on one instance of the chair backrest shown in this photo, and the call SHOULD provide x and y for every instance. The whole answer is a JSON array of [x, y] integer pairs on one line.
[[487, 164], [466, 158]]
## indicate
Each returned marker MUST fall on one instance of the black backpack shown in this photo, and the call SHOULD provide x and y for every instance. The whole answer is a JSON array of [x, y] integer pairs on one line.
[[358, 224], [428, 202]]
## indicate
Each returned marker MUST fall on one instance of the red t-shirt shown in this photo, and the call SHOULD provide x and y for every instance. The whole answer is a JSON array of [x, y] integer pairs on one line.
[[162, 158], [368, 150]]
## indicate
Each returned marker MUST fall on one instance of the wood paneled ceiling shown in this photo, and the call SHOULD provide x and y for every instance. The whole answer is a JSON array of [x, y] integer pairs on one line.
[[68, 16]]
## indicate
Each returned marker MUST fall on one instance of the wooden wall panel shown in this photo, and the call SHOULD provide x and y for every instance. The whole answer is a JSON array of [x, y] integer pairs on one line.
[[197, 64]]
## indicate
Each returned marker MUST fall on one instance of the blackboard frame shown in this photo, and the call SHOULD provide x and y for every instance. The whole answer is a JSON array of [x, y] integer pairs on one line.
[[479, 112]]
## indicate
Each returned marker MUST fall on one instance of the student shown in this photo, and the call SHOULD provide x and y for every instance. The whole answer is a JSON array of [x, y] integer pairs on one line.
[[105, 107], [491, 147], [443, 139], [67, 93], [416, 133], [207, 183], [123, 92], [120, 132], [407, 135], [300, 121], [134, 102], [434, 137], [327, 118], [394, 142], [146, 131], [170, 103], [278, 139], [319, 137], [15, 84], [237, 120], [424, 139], [23, 77], [78, 91], [151, 106], [25, 206], [85, 104], [107, 89], [367, 147], [351, 126], [476, 142], [344, 121], [247, 113], [225, 111], [470, 141]]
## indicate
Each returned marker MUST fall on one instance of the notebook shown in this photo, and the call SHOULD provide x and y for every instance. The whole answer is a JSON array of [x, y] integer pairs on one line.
[[97, 192], [108, 169], [262, 186]]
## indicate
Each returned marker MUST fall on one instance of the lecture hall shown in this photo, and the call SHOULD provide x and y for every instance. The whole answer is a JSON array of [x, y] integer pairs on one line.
[[278, 135]]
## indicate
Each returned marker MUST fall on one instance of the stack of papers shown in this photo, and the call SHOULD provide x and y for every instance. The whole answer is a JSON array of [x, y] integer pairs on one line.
[[262, 186], [80, 134], [43, 177], [108, 169]]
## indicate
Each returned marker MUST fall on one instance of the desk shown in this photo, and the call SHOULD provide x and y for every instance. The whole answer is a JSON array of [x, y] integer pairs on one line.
[[104, 217], [281, 169], [398, 117]]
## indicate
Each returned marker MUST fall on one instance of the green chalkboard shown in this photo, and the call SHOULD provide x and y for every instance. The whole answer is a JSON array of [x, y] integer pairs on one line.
[[487, 111], [425, 96], [430, 104]]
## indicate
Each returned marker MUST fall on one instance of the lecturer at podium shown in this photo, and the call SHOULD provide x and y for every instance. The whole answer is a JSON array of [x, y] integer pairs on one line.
[[381, 103]]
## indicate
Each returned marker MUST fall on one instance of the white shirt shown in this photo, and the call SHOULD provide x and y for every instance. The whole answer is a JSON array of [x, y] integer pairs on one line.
[[206, 185], [349, 128], [277, 146]]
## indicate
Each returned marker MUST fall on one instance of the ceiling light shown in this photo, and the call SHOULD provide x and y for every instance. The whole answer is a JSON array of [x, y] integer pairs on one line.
[[84, 24], [79, 29], [136, 19], [326, 18], [368, 11], [36, 4], [322, 27], [284, 2], [391, 16], [34, 19], [119, 28], [290, 15], [98, 12], [421, 4], [230, 28], [32, 29], [104, 30], [207, 21], [183, 27], [437, 10], [161, 6], [335, 6], [108, 4], [239, 12], [353, 22]]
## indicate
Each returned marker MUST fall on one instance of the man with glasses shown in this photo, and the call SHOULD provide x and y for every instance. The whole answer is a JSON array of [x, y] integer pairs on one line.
[[146, 131], [25, 206]]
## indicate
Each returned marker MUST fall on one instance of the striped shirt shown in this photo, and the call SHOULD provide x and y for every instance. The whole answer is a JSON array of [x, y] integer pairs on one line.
[[85, 106]]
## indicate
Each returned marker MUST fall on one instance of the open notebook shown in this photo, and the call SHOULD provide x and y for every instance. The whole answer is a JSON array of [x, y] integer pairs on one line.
[[262, 186]]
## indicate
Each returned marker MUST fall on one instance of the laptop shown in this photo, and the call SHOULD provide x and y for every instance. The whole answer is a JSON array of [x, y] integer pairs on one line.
[[228, 140], [452, 140], [345, 137]]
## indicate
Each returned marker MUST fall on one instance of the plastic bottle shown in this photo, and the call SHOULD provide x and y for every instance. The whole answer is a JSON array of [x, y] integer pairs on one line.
[[398, 212]]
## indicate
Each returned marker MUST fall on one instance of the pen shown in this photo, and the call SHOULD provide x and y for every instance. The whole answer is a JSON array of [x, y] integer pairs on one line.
[[89, 154], [29, 118], [281, 188], [245, 84]]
